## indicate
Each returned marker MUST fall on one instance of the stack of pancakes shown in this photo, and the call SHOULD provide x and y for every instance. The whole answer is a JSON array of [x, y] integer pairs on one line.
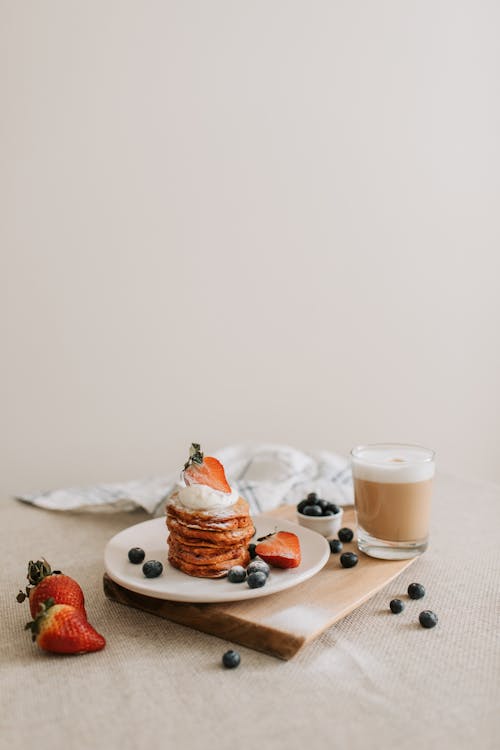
[[207, 543]]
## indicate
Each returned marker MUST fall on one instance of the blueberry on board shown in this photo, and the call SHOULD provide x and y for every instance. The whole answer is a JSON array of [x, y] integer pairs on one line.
[[346, 535], [152, 569], [312, 497], [334, 508], [231, 659], [258, 565], [312, 510], [396, 606], [428, 619], [236, 574], [302, 505], [348, 559], [416, 591], [336, 546], [136, 555], [252, 552], [256, 580]]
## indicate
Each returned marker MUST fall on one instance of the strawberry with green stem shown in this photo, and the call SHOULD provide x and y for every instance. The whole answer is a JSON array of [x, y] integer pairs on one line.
[[47, 583], [200, 469], [63, 629]]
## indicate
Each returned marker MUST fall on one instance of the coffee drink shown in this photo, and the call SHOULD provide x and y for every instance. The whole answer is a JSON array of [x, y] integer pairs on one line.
[[392, 491]]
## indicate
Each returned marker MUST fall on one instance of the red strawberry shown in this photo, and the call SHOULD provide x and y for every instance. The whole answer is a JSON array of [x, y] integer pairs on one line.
[[282, 550], [204, 470], [63, 629], [50, 584]]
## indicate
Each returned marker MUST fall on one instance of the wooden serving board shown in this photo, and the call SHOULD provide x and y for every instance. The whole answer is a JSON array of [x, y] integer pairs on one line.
[[282, 623]]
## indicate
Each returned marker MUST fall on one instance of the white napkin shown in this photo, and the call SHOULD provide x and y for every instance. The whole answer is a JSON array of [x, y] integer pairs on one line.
[[266, 475]]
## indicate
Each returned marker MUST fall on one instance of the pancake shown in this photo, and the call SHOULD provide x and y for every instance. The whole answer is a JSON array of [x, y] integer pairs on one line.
[[210, 570], [201, 537], [205, 555], [219, 519], [207, 543]]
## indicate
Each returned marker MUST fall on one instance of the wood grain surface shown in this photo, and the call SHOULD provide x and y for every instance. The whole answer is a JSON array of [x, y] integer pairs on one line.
[[283, 623]]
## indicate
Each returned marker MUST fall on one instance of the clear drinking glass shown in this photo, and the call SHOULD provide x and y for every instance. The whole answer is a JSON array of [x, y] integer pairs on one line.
[[392, 498]]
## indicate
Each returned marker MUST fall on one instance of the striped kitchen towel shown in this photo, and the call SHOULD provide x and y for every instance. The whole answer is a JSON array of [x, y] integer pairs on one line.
[[266, 475]]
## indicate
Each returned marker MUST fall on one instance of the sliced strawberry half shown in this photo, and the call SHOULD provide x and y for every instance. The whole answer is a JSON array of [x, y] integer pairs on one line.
[[282, 550], [200, 469]]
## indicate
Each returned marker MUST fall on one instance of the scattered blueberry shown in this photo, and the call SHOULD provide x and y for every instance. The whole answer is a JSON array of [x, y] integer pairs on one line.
[[428, 619], [312, 497], [348, 559], [257, 579], [136, 555], [416, 591], [236, 574], [312, 510], [152, 569], [396, 606], [346, 535], [231, 659], [258, 566], [336, 546], [251, 550]]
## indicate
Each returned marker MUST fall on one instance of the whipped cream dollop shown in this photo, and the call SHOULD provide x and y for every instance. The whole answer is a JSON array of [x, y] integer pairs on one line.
[[201, 497]]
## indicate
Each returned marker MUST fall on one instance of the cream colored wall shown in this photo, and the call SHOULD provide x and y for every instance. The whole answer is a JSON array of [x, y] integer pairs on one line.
[[229, 221]]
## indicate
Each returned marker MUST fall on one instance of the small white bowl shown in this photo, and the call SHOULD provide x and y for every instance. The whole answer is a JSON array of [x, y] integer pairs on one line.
[[325, 525]]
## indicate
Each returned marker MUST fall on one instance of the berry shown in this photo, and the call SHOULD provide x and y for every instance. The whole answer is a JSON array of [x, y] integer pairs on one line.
[[282, 550], [231, 659], [258, 565], [152, 569], [302, 505], [49, 584], [251, 551], [428, 619], [416, 591], [236, 574], [396, 606], [323, 504], [136, 555], [200, 469], [312, 497], [333, 508], [346, 535], [348, 559], [64, 629], [256, 579], [312, 510], [336, 546]]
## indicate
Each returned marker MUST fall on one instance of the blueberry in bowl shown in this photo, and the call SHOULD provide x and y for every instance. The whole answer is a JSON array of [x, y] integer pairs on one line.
[[319, 515]]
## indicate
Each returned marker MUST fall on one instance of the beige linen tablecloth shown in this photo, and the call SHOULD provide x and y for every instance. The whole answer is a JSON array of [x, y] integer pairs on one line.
[[374, 680]]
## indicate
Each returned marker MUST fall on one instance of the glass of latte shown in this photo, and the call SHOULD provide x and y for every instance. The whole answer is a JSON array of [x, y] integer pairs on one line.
[[392, 498]]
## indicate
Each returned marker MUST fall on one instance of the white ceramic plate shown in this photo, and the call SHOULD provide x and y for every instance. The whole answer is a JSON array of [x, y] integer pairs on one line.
[[179, 587]]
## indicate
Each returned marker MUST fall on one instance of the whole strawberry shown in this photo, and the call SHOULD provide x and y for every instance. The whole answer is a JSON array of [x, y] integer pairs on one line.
[[63, 629], [46, 583]]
